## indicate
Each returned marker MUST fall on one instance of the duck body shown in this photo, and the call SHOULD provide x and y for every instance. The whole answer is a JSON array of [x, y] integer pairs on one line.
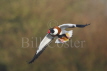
[[59, 32]]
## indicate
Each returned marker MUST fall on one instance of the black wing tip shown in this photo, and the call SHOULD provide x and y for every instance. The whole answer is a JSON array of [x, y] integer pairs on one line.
[[36, 56], [30, 61]]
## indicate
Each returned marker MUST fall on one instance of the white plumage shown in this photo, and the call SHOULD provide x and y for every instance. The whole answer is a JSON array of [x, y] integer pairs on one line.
[[49, 37]]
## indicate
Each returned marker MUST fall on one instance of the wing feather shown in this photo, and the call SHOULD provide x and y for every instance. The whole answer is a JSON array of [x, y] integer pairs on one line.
[[64, 26], [44, 43]]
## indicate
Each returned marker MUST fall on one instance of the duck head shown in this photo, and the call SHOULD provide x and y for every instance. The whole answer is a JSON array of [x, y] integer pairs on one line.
[[53, 31]]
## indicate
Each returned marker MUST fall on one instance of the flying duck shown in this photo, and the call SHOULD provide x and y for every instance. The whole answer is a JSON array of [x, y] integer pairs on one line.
[[59, 32]]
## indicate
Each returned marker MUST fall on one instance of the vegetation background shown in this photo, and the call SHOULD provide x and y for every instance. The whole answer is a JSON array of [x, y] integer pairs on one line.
[[31, 18]]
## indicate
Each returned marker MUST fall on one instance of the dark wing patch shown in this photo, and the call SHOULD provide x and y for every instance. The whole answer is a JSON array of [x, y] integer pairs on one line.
[[48, 38], [37, 55]]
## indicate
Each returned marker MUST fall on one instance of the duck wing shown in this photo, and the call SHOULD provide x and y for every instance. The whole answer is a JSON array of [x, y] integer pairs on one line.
[[44, 43], [64, 26]]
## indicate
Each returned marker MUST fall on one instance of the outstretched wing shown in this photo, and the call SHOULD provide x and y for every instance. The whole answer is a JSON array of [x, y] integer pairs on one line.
[[64, 26], [47, 39]]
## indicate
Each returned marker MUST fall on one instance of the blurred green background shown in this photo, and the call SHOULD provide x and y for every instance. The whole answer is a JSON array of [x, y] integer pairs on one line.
[[30, 18]]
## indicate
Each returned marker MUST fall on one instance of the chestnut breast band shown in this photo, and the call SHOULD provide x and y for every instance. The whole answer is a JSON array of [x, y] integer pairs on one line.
[[59, 29]]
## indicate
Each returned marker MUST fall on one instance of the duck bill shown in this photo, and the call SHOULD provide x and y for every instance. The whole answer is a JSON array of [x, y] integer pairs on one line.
[[48, 31]]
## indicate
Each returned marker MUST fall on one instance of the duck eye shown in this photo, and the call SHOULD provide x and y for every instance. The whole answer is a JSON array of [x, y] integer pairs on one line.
[[52, 31]]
